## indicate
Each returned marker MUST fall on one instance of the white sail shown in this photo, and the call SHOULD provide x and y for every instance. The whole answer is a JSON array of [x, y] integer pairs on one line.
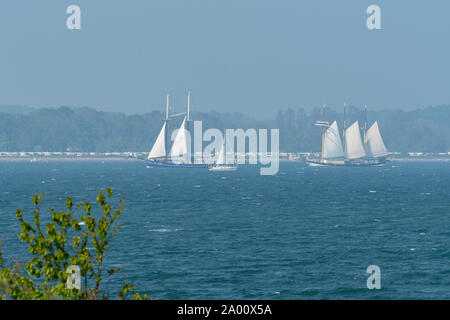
[[221, 157], [354, 148], [178, 153], [223, 160], [332, 144], [374, 142], [159, 148]]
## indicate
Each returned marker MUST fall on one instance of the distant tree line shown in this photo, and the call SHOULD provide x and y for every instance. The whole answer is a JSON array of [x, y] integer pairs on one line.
[[89, 130]]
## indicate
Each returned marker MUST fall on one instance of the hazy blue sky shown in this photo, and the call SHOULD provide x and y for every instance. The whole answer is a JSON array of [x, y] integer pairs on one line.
[[253, 56]]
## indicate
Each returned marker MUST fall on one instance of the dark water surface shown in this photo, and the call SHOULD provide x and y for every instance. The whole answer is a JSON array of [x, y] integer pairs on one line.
[[306, 233]]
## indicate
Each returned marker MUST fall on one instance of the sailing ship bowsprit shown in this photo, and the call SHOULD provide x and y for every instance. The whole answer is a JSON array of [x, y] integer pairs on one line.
[[180, 153], [353, 151]]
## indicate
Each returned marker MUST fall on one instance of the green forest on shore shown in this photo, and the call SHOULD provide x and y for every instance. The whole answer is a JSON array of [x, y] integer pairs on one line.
[[88, 130]]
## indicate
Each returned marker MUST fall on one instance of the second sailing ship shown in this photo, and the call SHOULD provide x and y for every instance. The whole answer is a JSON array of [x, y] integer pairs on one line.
[[352, 150]]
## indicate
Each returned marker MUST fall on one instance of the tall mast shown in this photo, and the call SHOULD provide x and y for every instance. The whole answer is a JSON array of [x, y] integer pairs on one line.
[[343, 132], [323, 132], [188, 114], [189, 107], [365, 122], [167, 108], [188, 119], [166, 121]]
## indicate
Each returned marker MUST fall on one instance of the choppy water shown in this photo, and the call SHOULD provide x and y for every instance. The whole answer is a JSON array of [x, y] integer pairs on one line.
[[306, 233]]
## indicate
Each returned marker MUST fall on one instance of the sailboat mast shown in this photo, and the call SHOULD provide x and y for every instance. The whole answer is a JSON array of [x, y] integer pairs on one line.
[[167, 107], [365, 123], [323, 132], [189, 107], [188, 120], [343, 132], [166, 121], [224, 152]]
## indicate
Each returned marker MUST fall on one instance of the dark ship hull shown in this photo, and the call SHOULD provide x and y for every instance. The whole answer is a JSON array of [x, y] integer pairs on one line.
[[363, 162], [169, 164]]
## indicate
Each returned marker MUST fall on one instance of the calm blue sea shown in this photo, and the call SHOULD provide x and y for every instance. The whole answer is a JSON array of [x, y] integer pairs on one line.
[[306, 233]]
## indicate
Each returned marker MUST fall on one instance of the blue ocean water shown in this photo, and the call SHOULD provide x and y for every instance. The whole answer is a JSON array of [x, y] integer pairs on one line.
[[306, 233]]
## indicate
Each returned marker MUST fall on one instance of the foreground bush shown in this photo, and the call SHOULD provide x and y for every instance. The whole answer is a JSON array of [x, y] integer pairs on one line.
[[67, 254]]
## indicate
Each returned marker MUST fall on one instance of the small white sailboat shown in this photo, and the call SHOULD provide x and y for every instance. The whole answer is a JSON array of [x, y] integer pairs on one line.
[[221, 163]]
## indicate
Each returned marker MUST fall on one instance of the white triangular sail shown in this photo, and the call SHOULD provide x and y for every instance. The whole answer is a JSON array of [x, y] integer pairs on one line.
[[374, 142], [159, 148], [354, 148], [179, 151], [226, 156], [332, 144], [221, 157], [224, 161]]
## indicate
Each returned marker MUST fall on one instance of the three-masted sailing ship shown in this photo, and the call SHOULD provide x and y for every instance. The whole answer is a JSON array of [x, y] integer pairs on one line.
[[179, 155], [352, 150]]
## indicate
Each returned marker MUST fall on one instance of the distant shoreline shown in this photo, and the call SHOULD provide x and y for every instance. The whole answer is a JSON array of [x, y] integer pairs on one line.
[[126, 159], [66, 159], [421, 160]]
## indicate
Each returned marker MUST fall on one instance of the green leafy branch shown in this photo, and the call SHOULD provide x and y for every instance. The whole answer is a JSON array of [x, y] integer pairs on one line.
[[65, 241]]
